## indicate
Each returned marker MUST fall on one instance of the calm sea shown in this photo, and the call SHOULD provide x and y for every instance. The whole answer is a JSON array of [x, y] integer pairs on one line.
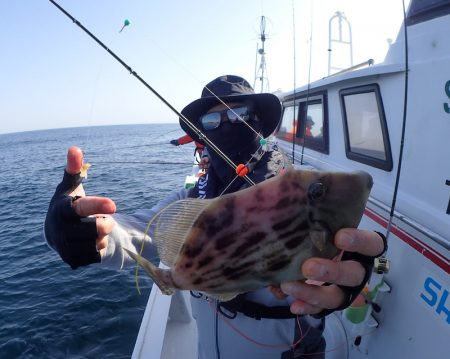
[[48, 310]]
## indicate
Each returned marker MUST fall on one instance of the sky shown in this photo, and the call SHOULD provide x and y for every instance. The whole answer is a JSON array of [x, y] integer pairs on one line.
[[53, 75]]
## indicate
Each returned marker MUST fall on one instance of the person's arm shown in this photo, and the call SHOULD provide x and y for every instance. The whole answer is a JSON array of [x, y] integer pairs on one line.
[[83, 230], [129, 233]]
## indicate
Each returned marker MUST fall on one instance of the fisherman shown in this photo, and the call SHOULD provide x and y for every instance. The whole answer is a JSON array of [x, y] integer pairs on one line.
[[269, 315]]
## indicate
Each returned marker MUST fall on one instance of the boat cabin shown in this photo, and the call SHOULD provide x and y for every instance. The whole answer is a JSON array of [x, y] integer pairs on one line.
[[393, 121]]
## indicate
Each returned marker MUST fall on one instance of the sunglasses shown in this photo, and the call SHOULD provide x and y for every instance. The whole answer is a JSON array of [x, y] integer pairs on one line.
[[212, 120]]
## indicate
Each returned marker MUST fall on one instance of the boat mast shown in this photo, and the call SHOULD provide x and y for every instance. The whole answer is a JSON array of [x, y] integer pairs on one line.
[[261, 70]]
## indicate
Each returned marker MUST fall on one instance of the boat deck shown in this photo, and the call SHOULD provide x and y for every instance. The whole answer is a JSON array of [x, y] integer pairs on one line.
[[167, 320]]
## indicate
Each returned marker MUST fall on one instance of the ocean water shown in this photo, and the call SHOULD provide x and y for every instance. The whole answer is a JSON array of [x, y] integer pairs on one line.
[[48, 310]]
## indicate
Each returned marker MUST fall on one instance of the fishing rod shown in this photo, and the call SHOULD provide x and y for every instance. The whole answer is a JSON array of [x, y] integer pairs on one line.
[[402, 138], [173, 109]]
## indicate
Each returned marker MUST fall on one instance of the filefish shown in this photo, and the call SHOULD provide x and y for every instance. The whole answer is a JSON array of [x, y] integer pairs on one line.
[[255, 237]]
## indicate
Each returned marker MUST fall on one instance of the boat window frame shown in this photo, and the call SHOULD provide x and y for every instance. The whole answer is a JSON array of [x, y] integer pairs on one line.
[[386, 164], [302, 102], [420, 11]]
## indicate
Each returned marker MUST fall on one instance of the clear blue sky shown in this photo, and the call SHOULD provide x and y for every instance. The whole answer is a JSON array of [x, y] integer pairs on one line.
[[53, 75]]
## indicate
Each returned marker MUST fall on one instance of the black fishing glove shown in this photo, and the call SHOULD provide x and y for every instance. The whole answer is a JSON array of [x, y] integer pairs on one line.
[[72, 236], [174, 142], [352, 292]]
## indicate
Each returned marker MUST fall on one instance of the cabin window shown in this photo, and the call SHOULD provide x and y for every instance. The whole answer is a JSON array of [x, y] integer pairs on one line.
[[365, 127], [288, 127], [314, 121], [305, 122]]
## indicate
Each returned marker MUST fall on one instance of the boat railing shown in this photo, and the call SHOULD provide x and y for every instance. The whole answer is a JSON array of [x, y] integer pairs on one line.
[[414, 224], [367, 63]]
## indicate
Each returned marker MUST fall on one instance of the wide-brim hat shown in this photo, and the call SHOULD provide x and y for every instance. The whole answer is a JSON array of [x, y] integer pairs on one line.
[[230, 88]]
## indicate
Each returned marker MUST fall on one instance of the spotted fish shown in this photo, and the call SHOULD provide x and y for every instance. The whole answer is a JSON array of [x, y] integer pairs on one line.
[[258, 236]]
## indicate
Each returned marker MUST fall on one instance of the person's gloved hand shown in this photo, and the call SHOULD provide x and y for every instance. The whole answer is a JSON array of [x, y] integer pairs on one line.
[[346, 278], [174, 142], [77, 238]]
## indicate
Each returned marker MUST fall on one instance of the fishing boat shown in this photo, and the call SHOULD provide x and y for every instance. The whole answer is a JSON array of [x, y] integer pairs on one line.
[[392, 120]]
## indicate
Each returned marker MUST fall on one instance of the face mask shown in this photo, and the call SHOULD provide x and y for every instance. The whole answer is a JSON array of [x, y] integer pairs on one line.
[[233, 139], [237, 141]]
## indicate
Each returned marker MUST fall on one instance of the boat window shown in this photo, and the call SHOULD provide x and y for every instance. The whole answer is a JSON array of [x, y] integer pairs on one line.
[[288, 126], [365, 127], [313, 125], [305, 122], [424, 10], [314, 121]]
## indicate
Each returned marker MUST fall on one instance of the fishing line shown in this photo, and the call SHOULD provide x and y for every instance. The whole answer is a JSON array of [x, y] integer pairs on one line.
[[253, 341], [160, 97], [257, 152], [309, 83], [143, 162], [94, 98], [402, 139], [333, 164], [174, 60], [339, 347], [239, 117], [294, 126], [147, 228]]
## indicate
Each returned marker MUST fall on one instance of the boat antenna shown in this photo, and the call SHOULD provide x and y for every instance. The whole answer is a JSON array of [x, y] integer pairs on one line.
[[261, 70], [167, 103]]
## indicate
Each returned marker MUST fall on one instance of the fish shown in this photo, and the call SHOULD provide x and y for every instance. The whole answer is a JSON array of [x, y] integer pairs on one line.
[[255, 237]]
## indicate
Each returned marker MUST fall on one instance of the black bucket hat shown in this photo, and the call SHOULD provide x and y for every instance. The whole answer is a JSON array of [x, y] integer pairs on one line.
[[230, 88]]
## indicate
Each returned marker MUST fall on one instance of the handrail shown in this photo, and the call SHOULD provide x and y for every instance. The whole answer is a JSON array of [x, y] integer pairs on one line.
[[369, 62], [418, 227]]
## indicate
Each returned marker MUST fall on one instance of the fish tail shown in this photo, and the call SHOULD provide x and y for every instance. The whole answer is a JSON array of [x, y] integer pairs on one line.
[[161, 277]]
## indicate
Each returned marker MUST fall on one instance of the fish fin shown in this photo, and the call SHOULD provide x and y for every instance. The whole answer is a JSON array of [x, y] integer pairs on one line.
[[319, 239], [323, 243], [171, 226], [161, 277]]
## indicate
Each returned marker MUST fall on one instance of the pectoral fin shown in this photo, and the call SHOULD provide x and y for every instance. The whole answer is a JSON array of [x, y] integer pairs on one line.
[[319, 239]]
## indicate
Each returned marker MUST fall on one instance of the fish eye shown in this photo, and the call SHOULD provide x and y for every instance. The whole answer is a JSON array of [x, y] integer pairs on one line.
[[316, 191]]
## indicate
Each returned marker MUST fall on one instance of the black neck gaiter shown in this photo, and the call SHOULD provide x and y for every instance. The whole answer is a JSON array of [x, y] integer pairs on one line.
[[238, 142]]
